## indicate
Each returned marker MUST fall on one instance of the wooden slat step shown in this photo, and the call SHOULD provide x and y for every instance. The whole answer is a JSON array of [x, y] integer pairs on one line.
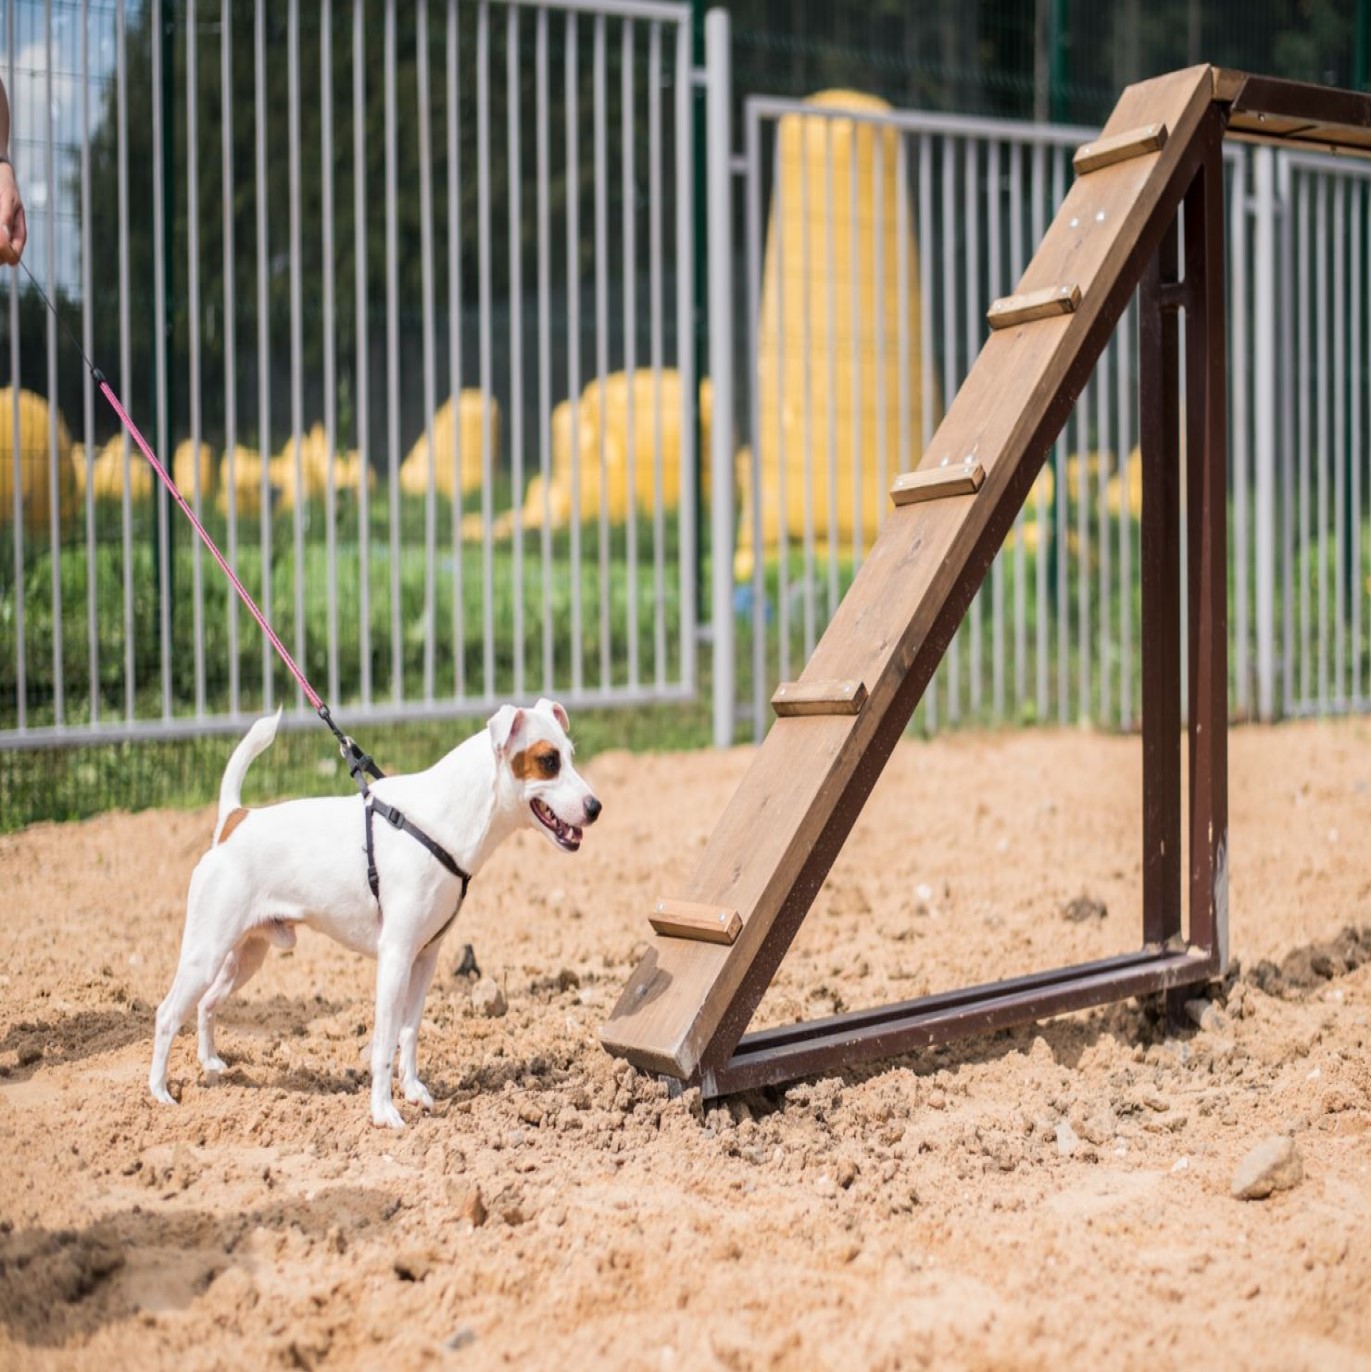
[[686, 919], [1119, 147], [818, 698], [1047, 303], [936, 483]]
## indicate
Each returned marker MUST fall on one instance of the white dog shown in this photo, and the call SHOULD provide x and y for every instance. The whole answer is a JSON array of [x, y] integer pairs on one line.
[[306, 862]]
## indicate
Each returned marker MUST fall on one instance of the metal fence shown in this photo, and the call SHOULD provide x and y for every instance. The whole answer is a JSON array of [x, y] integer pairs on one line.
[[874, 241], [405, 295]]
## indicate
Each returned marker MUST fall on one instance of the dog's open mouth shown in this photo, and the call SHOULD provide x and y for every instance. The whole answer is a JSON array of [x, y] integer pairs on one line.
[[566, 836]]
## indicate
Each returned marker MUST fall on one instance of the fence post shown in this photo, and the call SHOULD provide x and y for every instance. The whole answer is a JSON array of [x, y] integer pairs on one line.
[[719, 188], [1264, 426]]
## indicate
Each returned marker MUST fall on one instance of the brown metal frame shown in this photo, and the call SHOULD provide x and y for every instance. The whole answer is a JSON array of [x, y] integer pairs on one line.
[[1168, 961]]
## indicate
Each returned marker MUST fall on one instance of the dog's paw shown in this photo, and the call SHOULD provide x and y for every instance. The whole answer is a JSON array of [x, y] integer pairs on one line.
[[161, 1093], [416, 1093], [387, 1116], [213, 1066]]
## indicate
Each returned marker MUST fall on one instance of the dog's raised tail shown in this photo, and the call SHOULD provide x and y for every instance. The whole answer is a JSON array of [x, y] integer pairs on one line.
[[257, 740]]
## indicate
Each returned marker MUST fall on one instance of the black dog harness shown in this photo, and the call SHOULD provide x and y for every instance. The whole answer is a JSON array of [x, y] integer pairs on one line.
[[360, 766]]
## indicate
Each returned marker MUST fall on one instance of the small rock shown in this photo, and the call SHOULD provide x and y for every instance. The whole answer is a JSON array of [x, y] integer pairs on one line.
[[413, 1264], [567, 980], [1204, 1014], [1273, 1165], [847, 1173], [487, 999], [531, 1113], [473, 1208], [1084, 908], [463, 1338], [1067, 1142]]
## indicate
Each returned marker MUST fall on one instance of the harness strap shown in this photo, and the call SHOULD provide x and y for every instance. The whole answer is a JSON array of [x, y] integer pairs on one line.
[[397, 820]]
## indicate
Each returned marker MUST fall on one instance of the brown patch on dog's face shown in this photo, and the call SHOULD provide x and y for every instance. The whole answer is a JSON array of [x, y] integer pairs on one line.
[[236, 817], [541, 762]]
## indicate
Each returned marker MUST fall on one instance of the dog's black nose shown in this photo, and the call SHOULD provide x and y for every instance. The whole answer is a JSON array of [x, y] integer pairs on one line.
[[593, 808]]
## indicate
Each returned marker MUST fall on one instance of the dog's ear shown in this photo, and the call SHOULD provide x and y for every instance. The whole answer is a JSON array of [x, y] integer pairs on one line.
[[504, 726], [559, 714]]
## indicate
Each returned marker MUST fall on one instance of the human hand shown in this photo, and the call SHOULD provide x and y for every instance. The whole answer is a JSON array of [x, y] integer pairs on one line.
[[14, 229]]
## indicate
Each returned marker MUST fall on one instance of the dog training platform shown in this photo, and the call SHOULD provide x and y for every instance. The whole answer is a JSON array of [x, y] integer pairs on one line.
[[687, 1003]]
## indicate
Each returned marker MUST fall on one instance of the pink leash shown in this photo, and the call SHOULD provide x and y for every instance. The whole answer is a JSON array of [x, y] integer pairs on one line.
[[358, 762]]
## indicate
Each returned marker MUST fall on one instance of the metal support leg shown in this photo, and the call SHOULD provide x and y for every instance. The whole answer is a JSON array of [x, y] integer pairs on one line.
[[1207, 516], [1159, 414]]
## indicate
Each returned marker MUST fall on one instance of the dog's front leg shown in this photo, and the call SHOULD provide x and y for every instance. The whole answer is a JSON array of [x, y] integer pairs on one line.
[[415, 1090], [394, 968]]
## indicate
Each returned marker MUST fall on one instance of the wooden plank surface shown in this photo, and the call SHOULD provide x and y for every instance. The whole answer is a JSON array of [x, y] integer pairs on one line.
[[1120, 147], [936, 483], [690, 920], [1031, 306], [1008, 412], [818, 697]]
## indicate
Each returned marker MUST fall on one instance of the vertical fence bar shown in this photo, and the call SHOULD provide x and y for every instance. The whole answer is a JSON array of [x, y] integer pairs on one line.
[[782, 506], [994, 255], [16, 450], [359, 220], [629, 194], [1082, 553], [854, 239], [1016, 261], [483, 252], [1239, 273], [330, 347], [544, 336], [718, 153], [427, 344], [1105, 654], [193, 320], [1063, 550], [1320, 313], [297, 360], [600, 138], [926, 367], [397, 662], [1338, 386], [1037, 217], [951, 377], [59, 706], [904, 458], [259, 49], [1299, 364], [516, 335], [454, 325], [831, 379], [573, 288], [87, 381], [878, 306], [1127, 327], [159, 316], [655, 311], [972, 236], [125, 380], [807, 389], [685, 295], [1264, 423], [229, 474], [1289, 420], [754, 311], [1357, 306]]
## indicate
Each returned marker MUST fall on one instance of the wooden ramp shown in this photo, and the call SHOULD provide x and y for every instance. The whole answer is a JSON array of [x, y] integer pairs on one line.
[[686, 1005]]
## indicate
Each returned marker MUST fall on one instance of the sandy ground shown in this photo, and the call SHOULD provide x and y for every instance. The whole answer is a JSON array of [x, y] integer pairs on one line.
[[1055, 1197]]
